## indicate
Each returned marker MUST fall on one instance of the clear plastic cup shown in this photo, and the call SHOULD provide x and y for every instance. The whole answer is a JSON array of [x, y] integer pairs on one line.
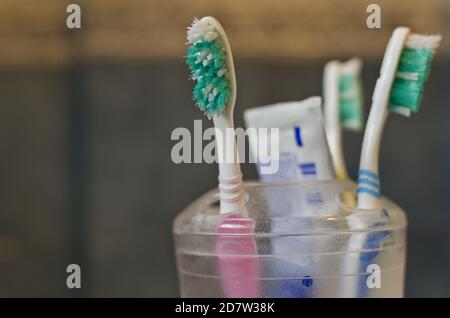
[[293, 240]]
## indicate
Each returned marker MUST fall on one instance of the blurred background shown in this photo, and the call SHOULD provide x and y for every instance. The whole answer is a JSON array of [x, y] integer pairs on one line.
[[86, 117]]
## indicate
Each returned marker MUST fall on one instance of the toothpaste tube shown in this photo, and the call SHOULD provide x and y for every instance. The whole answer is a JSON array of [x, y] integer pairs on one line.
[[303, 152], [303, 149], [303, 155]]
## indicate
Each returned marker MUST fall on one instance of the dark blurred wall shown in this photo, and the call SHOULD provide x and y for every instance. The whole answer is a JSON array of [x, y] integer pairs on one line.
[[34, 190], [86, 174]]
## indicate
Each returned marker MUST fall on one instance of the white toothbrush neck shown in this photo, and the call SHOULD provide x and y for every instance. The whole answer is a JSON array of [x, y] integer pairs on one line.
[[230, 176]]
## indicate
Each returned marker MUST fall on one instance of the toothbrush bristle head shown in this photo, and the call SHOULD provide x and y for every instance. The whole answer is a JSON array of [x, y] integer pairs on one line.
[[412, 73], [350, 95], [207, 61]]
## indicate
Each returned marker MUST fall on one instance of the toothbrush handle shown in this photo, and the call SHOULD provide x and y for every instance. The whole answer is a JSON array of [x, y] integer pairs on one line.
[[230, 175], [368, 180]]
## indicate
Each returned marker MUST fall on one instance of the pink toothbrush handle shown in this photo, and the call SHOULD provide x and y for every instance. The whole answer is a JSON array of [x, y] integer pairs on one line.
[[237, 258]]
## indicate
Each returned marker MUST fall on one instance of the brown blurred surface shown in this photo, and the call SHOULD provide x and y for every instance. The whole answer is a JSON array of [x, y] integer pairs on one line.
[[35, 31]]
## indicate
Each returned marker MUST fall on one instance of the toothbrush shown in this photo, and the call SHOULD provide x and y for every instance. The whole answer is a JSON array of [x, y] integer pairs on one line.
[[404, 70], [211, 64], [342, 106]]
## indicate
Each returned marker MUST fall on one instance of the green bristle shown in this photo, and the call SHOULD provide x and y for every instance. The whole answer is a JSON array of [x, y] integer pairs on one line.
[[350, 102], [205, 60], [412, 72]]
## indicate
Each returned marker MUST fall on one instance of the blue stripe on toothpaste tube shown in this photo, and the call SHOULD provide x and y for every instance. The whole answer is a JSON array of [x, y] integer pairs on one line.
[[303, 155]]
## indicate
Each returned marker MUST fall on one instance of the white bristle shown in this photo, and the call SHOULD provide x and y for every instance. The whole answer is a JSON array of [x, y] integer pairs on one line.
[[221, 72], [401, 110], [408, 76], [207, 89], [201, 31], [418, 41], [351, 67]]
